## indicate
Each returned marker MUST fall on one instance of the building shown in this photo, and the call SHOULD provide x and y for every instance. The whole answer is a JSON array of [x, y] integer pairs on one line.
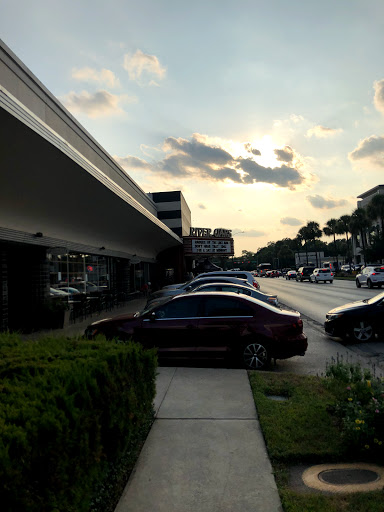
[[357, 246], [68, 212]]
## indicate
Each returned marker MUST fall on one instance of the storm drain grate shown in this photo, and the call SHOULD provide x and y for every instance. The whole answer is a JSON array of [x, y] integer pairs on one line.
[[344, 478]]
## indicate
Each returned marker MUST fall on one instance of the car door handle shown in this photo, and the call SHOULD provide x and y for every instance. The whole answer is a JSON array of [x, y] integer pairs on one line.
[[191, 326]]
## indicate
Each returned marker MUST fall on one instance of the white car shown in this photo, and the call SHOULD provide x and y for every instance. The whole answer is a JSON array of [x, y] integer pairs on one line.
[[291, 274], [321, 274], [371, 275], [238, 288], [240, 274]]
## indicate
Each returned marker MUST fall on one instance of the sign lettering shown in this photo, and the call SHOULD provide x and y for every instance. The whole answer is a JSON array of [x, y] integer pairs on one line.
[[206, 232]]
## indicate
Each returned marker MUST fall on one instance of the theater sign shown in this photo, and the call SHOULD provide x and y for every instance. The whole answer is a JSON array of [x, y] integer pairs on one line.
[[208, 242]]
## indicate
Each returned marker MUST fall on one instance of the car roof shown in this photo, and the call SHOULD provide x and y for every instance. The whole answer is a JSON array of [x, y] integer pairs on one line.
[[235, 295]]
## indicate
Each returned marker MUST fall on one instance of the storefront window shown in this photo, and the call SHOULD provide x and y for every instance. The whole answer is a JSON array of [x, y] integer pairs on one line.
[[72, 268]]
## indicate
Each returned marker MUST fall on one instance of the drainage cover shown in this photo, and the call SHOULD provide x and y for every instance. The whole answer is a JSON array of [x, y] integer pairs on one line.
[[339, 478], [348, 476]]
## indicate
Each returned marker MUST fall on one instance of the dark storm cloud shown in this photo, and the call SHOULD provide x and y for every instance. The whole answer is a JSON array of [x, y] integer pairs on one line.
[[252, 150], [325, 204], [200, 151], [284, 155], [291, 221]]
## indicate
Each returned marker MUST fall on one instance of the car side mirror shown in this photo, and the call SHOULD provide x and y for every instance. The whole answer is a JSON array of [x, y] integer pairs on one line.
[[152, 316]]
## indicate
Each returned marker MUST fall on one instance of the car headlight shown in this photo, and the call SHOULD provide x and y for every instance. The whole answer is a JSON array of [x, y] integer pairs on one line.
[[333, 316]]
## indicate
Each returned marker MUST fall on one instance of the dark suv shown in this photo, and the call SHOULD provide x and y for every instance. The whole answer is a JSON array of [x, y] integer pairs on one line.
[[303, 273]]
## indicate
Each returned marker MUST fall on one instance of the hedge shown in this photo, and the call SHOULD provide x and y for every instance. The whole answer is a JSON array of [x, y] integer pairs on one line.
[[68, 409]]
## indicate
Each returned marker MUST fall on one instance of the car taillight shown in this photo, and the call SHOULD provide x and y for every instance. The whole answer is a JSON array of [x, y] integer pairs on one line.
[[331, 273], [302, 273], [373, 274], [298, 324]]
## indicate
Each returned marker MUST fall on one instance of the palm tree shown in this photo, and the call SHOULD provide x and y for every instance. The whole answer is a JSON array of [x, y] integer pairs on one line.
[[343, 227], [304, 236], [375, 210], [329, 230], [313, 232], [359, 225]]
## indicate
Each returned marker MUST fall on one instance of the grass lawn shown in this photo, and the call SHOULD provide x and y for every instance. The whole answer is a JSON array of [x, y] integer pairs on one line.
[[301, 431]]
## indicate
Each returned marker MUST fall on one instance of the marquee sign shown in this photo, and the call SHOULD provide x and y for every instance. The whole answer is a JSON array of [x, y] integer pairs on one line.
[[206, 232], [208, 242]]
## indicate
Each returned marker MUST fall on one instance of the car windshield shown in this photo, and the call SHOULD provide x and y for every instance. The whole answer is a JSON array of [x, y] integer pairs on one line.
[[374, 300]]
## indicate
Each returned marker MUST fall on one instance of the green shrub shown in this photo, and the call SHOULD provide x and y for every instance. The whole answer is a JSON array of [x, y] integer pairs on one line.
[[359, 408], [69, 408]]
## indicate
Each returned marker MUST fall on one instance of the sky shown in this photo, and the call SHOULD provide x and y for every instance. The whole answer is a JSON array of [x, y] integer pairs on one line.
[[265, 114]]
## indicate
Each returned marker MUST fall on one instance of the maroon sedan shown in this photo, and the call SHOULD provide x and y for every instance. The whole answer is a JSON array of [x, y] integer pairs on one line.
[[212, 325]]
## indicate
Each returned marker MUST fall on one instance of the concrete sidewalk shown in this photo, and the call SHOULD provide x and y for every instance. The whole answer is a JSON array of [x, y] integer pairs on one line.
[[205, 451]]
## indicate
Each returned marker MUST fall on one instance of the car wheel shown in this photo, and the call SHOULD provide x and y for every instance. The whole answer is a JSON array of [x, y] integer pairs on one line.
[[362, 331], [331, 281], [256, 356], [369, 284], [358, 283]]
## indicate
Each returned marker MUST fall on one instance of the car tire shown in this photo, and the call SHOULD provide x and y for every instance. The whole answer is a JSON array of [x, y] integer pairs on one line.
[[256, 355], [362, 331], [358, 284], [331, 281], [369, 284]]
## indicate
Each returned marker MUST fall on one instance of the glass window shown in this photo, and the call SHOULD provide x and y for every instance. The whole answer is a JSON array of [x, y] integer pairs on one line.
[[186, 307], [226, 306]]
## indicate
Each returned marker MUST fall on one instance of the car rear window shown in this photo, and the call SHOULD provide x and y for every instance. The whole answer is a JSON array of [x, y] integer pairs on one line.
[[379, 269], [323, 271], [226, 306]]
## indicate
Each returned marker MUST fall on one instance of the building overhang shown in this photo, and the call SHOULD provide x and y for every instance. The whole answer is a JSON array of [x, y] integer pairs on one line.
[[48, 187]]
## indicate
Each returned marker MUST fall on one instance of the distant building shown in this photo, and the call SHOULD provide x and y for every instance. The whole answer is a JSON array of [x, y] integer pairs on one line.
[[365, 199]]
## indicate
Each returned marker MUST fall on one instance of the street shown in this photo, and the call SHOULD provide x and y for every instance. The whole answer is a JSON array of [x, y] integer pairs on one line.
[[313, 301]]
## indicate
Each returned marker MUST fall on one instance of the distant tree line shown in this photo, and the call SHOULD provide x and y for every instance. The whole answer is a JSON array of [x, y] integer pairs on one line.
[[366, 224]]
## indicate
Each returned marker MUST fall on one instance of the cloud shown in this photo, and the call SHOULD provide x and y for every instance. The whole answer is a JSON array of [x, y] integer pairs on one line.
[[254, 233], [98, 104], [198, 150], [285, 155], [197, 158], [325, 204], [132, 162], [104, 76], [378, 99], [370, 149], [143, 68], [252, 150], [291, 221], [322, 132], [283, 176]]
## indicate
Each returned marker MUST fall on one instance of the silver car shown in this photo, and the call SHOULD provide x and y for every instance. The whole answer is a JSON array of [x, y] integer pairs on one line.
[[371, 275], [237, 288], [159, 296]]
